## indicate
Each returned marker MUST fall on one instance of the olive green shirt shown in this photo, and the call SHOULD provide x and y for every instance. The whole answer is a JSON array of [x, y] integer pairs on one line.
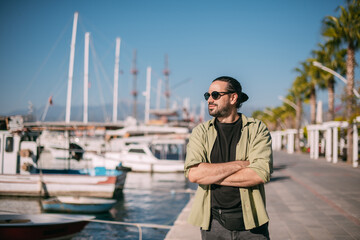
[[254, 146]]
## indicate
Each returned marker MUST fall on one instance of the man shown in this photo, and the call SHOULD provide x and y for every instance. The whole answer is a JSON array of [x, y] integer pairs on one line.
[[230, 157]]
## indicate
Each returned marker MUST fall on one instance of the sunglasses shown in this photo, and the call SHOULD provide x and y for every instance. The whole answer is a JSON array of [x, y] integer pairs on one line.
[[215, 95]]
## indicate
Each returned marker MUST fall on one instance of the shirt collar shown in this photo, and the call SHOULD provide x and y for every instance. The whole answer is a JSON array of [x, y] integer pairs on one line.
[[244, 119]]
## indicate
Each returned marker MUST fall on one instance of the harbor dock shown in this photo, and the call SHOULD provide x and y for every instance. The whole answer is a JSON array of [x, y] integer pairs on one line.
[[306, 199]]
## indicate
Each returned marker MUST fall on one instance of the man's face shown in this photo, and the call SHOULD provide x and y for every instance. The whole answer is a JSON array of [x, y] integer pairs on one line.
[[220, 107]]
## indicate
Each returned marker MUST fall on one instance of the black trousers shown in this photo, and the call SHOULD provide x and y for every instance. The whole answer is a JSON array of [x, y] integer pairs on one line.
[[218, 232]]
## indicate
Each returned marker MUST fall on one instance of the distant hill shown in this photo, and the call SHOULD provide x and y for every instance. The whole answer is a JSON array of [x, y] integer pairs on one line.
[[104, 114], [95, 113]]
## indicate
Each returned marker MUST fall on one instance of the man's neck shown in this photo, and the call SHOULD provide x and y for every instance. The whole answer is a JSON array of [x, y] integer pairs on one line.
[[229, 119]]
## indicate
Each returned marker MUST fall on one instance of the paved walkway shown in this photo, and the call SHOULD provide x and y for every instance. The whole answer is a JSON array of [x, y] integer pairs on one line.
[[306, 199]]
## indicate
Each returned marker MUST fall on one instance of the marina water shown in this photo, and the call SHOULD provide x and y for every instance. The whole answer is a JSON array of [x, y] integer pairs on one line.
[[147, 198]]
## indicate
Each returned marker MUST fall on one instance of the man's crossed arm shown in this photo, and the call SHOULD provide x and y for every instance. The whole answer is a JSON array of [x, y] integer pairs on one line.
[[234, 174]]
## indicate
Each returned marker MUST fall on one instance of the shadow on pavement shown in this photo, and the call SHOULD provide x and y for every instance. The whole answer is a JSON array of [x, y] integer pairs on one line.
[[280, 167], [274, 179]]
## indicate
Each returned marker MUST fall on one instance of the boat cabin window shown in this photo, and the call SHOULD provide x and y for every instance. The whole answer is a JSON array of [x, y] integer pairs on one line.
[[169, 151], [136, 150], [9, 147]]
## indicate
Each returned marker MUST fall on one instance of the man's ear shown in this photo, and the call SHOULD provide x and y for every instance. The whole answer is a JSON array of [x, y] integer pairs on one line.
[[233, 98]]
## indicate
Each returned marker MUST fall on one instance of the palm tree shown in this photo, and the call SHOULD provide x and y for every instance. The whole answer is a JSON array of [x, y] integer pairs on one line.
[[316, 82], [332, 58], [298, 94], [275, 118], [266, 118], [345, 30], [284, 115], [311, 75]]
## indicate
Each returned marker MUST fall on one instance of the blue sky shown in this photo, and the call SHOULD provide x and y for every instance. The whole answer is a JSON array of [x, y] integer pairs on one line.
[[257, 42]]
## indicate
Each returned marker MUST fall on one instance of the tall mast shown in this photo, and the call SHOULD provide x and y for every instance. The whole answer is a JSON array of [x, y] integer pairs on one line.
[[134, 72], [147, 94], [202, 111], [71, 68], [86, 76], [167, 90], [116, 78], [186, 108], [158, 96]]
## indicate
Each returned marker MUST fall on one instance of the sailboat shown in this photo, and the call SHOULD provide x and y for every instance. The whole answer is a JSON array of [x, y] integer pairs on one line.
[[21, 175]]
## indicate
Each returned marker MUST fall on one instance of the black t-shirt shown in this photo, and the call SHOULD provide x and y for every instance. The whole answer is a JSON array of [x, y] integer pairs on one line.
[[224, 150]]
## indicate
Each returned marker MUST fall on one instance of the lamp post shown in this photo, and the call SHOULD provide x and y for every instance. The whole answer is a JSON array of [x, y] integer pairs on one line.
[[290, 103], [319, 65], [292, 132]]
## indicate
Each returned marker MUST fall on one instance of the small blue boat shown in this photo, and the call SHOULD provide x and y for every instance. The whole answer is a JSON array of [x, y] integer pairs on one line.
[[77, 204]]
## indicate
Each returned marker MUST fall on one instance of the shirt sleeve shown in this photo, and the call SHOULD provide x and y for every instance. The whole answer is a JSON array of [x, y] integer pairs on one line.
[[195, 150], [260, 152]]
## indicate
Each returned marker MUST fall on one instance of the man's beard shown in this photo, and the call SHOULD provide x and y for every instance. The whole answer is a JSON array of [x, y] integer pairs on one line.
[[223, 112]]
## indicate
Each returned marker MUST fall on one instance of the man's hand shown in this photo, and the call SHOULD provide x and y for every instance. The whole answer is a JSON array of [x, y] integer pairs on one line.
[[213, 173]]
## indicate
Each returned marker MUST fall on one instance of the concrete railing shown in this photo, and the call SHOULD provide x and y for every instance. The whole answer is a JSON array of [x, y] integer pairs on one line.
[[329, 143]]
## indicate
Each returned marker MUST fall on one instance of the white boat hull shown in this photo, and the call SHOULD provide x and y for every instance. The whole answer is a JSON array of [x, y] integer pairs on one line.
[[139, 158], [161, 166], [139, 163], [56, 185]]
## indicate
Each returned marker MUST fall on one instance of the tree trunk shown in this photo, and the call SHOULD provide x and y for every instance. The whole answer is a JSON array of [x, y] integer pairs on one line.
[[331, 99], [350, 101], [313, 105], [298, 124]]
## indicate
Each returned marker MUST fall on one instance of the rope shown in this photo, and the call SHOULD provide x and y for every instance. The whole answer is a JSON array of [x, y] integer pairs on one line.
[[145, 225], [97, 77], [139, 225], [37, 73], [188, 190]]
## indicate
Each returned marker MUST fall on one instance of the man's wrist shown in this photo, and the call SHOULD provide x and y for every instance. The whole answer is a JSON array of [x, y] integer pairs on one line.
[[243, 164]]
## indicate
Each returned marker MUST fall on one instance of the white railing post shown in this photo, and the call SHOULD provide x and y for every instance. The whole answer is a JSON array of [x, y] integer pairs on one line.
[[316, 144], [328, 144], [335, 145], [355, 145]]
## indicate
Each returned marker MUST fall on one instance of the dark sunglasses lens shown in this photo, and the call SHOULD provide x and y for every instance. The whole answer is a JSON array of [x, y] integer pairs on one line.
[[215, 95], [206, 96]]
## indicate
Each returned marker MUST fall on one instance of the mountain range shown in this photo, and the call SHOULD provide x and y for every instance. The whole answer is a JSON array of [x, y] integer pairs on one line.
[[98, 113]]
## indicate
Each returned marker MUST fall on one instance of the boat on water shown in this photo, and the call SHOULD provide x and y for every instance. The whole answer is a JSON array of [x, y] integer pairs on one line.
[[77, 204], [140, 158], [41, 226], [142, 148], [70, 183], [21, 175], [98, 182]]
